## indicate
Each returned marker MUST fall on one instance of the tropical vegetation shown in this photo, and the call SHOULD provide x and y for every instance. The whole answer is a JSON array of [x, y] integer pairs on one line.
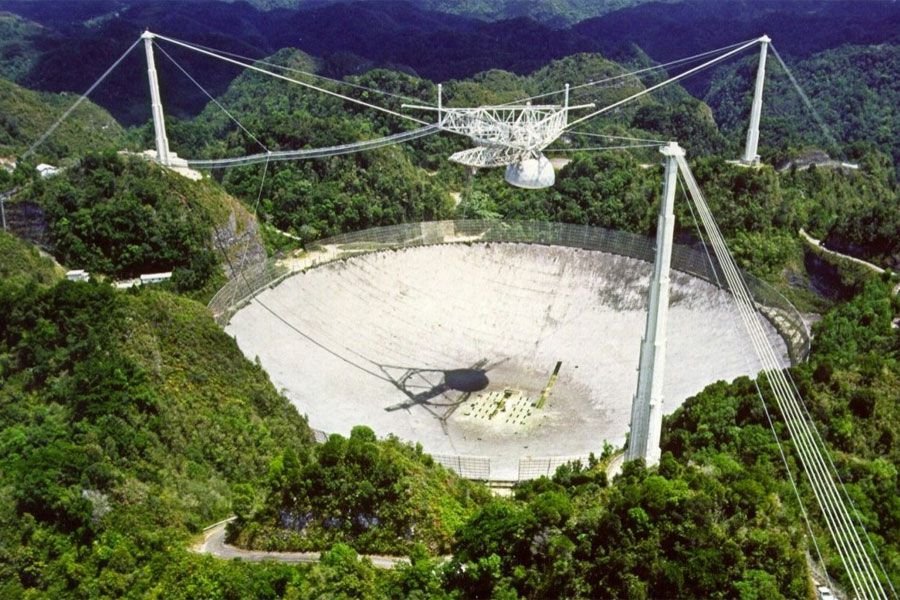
[[129, 420]]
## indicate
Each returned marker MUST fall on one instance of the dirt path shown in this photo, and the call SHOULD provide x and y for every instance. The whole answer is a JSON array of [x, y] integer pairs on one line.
[[214, 544]]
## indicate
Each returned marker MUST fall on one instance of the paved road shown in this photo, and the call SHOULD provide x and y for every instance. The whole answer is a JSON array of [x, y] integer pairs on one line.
[[214, 544], [818, 244], [868, 265]]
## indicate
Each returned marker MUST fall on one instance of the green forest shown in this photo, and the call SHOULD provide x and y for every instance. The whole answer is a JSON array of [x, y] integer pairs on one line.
[[25, 115], [129, 420], [114, 454], [380, 497]]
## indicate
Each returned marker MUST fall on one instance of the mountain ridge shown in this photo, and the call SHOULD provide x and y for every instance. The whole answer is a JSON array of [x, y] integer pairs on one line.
[[408, 36]]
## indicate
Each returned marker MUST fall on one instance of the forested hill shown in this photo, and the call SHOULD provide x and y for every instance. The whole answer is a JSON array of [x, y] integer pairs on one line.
[[25, 115], [350, 37], [854, 88], [124, 216], [126, 420], [129, 420]]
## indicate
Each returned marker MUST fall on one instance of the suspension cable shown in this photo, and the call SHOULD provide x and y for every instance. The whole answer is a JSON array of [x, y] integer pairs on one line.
[[687, 59], [703, 243], [840, 480], [663, 83], [81, 99], [759, 394], [294, 81], [310, 153], [211, 97], [790, 475], [857, 563], [307, 73], [808, 103], [618, 137], [596, 148], [262, 184], [835, 517], [270, 156]]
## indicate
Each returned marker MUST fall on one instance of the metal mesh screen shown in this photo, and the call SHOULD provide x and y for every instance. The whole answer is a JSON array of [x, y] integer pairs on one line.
[[469, 467], [692, 261], [532, 467]]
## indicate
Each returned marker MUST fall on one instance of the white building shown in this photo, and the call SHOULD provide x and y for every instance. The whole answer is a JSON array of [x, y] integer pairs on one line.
[[155, 277], [78, 275], [45, 170]]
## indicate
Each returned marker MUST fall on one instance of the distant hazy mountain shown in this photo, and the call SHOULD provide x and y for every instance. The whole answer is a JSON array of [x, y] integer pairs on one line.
[[551, 12], [556, 13], [17, 50], [800, 28], [347, 36]]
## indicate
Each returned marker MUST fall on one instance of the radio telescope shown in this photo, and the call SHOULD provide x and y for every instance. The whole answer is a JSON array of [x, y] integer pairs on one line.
[[508, 135]]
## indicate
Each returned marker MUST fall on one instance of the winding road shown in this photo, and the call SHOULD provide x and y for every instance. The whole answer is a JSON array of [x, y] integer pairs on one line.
[[859, 261], [214, 544], [818, 245]]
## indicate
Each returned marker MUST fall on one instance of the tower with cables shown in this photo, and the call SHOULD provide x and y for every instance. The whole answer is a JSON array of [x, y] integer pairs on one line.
[[751, 157], [646, 408], [159, 121]]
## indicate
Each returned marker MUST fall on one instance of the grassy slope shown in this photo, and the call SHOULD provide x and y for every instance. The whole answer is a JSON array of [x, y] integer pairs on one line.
[[21, 261], [25, 115]]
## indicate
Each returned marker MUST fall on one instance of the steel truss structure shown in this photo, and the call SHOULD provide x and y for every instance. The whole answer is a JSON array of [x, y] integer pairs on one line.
[[507, 135]]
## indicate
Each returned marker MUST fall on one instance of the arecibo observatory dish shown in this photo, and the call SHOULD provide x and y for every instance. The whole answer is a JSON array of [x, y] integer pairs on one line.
[[485, 353]]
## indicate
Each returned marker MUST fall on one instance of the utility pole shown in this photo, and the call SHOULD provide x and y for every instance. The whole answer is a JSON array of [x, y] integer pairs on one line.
[[646, 408], [159, 122], [751, 157]]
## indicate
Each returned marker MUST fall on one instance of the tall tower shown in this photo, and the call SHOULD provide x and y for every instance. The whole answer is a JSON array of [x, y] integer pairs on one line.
[[646, 408], [159, 122], [750, 155]]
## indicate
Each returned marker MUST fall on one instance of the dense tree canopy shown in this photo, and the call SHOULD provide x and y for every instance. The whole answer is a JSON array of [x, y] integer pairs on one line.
[[383, 498], [125, 421], [129, 420], [124, 216]]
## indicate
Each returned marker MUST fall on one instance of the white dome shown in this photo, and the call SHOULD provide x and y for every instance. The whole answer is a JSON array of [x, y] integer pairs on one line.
[[531, 173]]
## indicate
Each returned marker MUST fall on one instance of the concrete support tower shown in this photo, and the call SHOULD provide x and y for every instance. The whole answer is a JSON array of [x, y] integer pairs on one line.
[[646, 408], [159, 122], [750, 155]]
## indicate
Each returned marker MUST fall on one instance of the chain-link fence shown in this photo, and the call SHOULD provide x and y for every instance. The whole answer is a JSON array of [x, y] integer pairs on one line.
[[469, 467], [692, 261], [532, 467]]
